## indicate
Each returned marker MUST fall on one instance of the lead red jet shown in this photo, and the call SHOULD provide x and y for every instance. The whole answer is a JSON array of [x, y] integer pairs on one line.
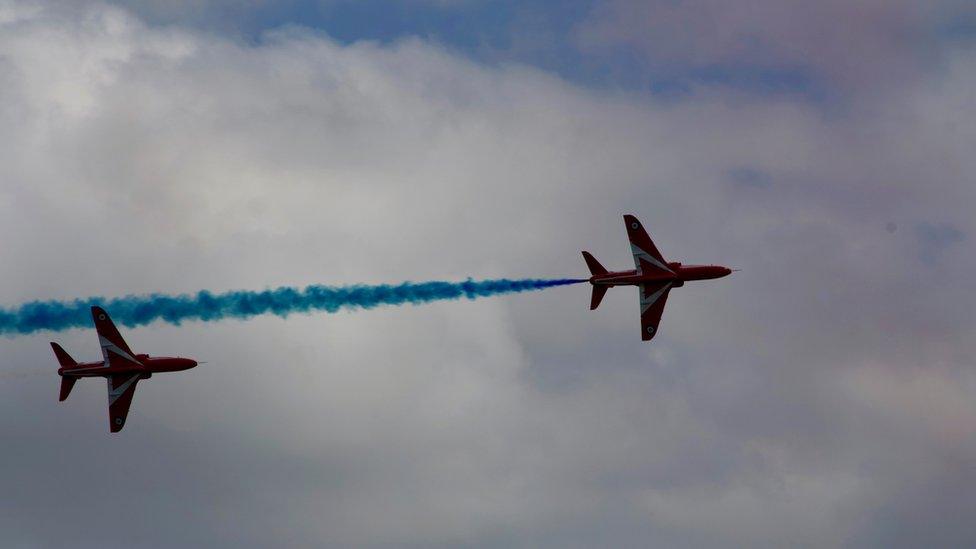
[[120, 367], [653, 276]]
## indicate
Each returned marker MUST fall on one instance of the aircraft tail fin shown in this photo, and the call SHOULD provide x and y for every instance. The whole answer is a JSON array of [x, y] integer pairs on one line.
[[598, 293], [593, 265], [64, 359]]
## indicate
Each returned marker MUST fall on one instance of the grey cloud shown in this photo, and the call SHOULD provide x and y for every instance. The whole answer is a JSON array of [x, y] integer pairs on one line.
[[819, 395], [854, 46], [749, 177], [936, 237]]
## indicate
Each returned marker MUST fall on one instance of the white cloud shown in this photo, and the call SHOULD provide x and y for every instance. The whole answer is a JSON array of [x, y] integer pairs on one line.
[[862, 47], [139, 159]]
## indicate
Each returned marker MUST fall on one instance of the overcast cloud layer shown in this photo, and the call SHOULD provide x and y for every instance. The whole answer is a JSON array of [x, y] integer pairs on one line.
[[821, 397]]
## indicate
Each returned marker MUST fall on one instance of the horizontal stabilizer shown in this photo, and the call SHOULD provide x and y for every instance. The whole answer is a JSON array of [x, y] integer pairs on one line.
[[598, 293], [67, 383], [593, 264], [64, 359]]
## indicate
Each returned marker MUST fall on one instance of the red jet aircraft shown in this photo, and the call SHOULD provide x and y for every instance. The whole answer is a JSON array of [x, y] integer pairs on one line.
[[653, 276], [120, 367]]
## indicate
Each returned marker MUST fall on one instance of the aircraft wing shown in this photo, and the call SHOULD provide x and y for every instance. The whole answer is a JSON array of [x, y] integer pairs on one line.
[[652, 300], [114, 349], [645, 252], [121, 388]]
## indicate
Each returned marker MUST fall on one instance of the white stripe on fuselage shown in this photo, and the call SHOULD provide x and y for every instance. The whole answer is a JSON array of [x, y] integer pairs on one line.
[[114, 394], [107, 346], [641, 254], [647, 302]]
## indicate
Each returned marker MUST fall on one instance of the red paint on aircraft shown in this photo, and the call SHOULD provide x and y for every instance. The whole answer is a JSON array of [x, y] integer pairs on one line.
[[653, 276], [120, 367]]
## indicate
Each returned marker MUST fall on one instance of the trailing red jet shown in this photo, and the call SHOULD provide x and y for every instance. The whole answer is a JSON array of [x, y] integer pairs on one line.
[[120, 367], [653, 276]]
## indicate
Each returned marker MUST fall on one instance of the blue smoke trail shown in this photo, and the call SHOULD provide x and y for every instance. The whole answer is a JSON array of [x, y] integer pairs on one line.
[[140, 310]]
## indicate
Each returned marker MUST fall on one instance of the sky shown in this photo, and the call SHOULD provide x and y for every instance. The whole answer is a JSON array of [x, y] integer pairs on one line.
[[820, 397]]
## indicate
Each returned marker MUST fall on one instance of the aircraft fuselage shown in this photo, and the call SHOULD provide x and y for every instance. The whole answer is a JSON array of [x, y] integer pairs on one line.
[[122, 368], [150, 365], [652, 274], [681, 274]]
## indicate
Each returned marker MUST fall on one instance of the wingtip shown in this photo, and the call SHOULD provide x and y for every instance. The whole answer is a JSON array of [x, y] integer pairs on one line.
[[632, 222]]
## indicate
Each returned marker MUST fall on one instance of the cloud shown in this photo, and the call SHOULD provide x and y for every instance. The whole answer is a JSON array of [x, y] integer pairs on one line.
[[749, 177], [853, 46], [935, 238], [142, 158]]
